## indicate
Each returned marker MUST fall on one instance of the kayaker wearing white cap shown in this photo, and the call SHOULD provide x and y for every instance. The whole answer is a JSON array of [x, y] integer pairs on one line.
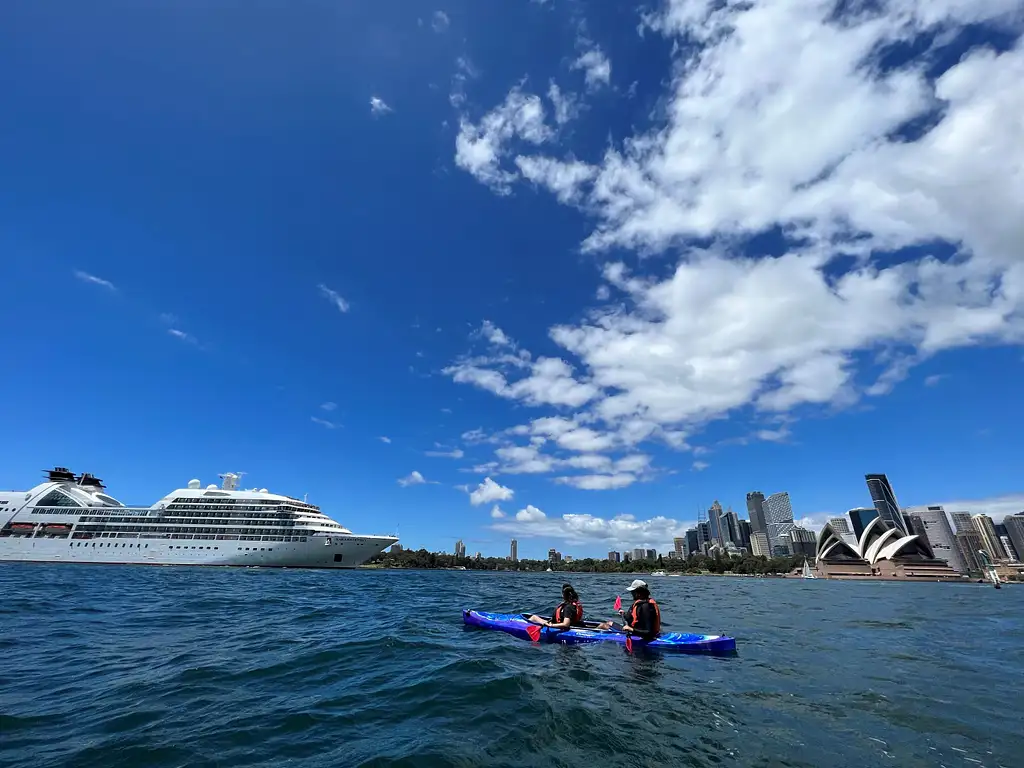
[[643, 619]]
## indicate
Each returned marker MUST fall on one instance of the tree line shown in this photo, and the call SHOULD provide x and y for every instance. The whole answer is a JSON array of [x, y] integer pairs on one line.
[[719, 563]]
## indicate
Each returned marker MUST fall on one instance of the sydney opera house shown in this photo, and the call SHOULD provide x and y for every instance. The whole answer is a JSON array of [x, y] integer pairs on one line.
[[880, 551]]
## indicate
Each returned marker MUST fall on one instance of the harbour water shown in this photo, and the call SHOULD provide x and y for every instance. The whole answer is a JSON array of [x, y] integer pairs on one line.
[[112, 667]]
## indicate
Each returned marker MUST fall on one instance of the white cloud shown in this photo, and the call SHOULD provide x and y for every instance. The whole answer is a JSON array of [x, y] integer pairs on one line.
[[334, 297], [440, 21], [598, 482], [530, 515], [186, 337], [414, 478], [480, 147], [323, 422], [87, 278], [489, 491], [329, 406], [621, 532], [565, 104], [378, 107], [454, 453], [596, 66], [495, 335], [777, 117], [496, 512], [386, 440], [700, 466], [931, 381]]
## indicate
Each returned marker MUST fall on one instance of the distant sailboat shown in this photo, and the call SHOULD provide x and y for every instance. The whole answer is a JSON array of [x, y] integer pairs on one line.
[[807, 572]]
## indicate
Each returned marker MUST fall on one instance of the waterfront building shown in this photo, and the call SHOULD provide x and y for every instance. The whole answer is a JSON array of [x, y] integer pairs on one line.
[[715, 521], [1011, 552], [692, 542], [731, 527], [513, 554], [860, 517], [639, 553], [1015, 531], [968, 543], [885, 502], [755, 512], [916, 525], [679, 545], [882, 552], [626, 557], [395, 549], [703, 536], [990, 539], [651, 554], [934, 525], [759, 544], [962, 522], [613, 557], [460, 549], [674, 555], [779, 515], [840, 525], [803, 541], [745, 531]]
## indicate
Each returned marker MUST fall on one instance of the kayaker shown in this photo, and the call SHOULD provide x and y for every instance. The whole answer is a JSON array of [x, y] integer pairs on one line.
[[643, 619], [569, 612]]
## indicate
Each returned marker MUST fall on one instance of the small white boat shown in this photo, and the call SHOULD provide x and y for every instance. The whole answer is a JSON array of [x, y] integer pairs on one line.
[[806, 574], [658, 573]]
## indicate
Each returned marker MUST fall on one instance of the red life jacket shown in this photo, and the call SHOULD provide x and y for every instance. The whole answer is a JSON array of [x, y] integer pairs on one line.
[[579, 613], [656, 629]]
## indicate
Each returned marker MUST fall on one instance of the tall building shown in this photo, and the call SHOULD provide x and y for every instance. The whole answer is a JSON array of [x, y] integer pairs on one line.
[[639, 553], [745, 532], [1015, 531], [989, 538], [779, 515], [802, 541], [715, 521], [962, 522], [860, 517], [651, 554], [759, 544], [968, 543], [679, 545], [513, 553], [840, 525], [395, 549], [916, 525], [613, 557], [731, 527], [755, 512], [460, 549], [940, 535], [692, 542], [885, 501], [554, 555], [703, 536], [1004, 538]]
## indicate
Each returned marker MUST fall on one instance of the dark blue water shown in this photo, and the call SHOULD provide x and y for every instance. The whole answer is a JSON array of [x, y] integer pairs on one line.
[[131, 666]]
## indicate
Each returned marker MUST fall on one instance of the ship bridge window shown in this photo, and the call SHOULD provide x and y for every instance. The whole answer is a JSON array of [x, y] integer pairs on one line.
[[110, 501], [57, 499]]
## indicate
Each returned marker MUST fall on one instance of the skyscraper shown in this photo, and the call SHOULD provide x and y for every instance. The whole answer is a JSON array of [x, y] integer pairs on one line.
[[840, 525], [513, 554], [715, 521], [731, 527], [860, 517], [613, 557], [460, 549], [940, 535], [745, 533], [692, 542], [802, 541], [885, 501], [639, 553], [968, 543], [990, 540], [962, 522], [779, 516], [755, 512], [651, 554], [679, 545], [703, 536], [916, 525], [1015, 530], [759, 544]]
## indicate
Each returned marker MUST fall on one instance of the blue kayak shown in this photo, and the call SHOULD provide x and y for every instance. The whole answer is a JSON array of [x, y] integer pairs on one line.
[[516, 624]]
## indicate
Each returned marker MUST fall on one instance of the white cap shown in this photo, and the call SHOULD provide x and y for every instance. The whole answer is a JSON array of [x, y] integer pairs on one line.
[[637, 584]]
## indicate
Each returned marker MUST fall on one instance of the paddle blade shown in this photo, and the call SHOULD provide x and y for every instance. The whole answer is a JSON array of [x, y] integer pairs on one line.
[[629, 643], [618, 603], [534, 632]]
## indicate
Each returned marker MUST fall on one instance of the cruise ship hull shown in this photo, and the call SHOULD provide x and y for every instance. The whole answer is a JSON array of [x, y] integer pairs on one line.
[[315, 552]]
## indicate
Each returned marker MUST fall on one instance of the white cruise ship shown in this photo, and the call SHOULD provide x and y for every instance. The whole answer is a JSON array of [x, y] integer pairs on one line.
[[70, 519]]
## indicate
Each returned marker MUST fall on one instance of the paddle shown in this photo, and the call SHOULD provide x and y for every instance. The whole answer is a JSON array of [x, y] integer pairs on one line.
[[629, 637], [618, 603], [534, 632]]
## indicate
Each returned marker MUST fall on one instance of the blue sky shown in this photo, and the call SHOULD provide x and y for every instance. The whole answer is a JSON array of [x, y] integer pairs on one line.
[[622, 261]]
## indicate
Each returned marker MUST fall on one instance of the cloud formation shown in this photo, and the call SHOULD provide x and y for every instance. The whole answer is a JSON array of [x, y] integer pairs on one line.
[[413, 478], [378, 107], [488, 492], [334, 297], [85, 277]]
